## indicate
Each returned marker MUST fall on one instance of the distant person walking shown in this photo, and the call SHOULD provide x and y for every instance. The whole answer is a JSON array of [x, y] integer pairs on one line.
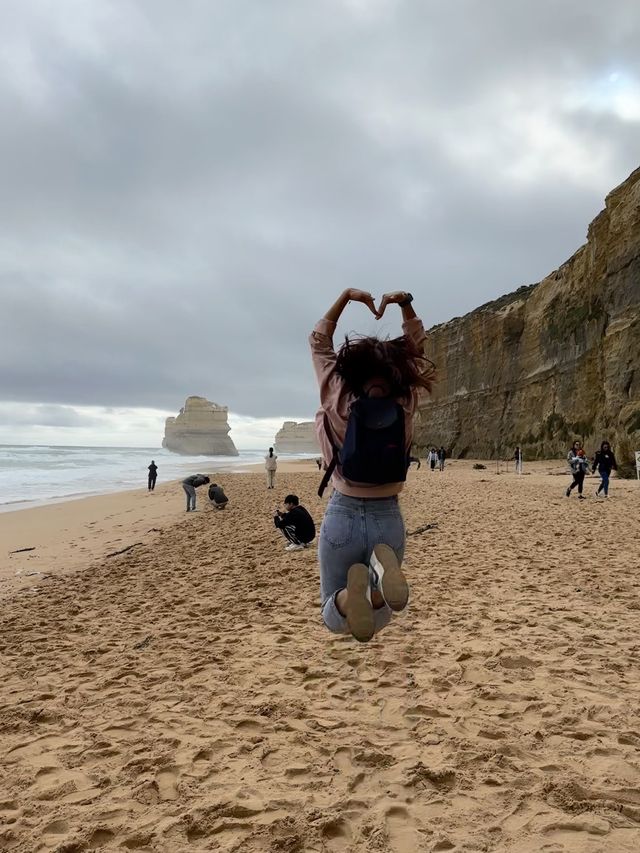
[[579, 465], [319, 464], [153, 475], [296, 524], [603, 463], [442, 455], [432, 458], [517, 458], [271, 465], [190, 484]]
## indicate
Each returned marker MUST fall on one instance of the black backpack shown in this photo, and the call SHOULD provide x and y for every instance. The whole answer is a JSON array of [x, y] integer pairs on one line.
[[374, 449]]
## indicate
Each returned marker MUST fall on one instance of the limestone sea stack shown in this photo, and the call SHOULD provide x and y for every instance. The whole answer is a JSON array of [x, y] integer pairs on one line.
[[297, 438], [201, 429], [551, 362]]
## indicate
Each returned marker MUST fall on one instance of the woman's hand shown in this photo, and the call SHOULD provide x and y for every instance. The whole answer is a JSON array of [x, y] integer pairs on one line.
[[364, 297], [391, 299], [350, 295]]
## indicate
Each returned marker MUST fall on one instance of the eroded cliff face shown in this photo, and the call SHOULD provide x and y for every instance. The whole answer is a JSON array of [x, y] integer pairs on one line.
[[551, 362], [201, 429], [296, 437]]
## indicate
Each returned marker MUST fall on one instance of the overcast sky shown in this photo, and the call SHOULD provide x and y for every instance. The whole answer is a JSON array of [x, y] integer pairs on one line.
[[186, 186]]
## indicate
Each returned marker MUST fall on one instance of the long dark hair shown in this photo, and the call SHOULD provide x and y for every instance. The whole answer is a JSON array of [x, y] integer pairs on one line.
[[399, 361]]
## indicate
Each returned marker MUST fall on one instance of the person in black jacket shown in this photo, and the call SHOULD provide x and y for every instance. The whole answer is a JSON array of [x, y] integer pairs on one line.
[[604, 462], [153, 475], [190, 484], [296, 524], [217, 496]]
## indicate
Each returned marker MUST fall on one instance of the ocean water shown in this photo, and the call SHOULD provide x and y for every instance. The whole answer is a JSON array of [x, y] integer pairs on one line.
[[40, 474]]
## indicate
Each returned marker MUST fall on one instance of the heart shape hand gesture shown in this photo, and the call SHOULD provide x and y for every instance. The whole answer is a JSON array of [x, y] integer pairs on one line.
[[367, 299]]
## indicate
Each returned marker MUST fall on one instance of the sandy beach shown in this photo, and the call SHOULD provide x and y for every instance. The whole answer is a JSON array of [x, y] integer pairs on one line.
[[184, 695]]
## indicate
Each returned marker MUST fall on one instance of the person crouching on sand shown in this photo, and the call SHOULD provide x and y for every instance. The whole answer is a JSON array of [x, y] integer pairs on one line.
[[271, 464], [368, 395], [296, 524], [190, 484], [217, 496]]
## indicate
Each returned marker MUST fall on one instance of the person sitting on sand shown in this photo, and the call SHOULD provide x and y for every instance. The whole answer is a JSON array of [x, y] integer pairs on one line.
[[153, 476], [190, 484], [271, 464], [296, 524], [217, 496], [368, 395]]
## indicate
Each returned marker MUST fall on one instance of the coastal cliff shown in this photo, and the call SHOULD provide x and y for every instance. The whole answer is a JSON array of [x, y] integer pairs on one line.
[[551, 362], [201, 429], [297, 438]]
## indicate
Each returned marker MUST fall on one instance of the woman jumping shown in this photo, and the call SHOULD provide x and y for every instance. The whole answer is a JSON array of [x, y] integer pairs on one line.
[[368, 395]]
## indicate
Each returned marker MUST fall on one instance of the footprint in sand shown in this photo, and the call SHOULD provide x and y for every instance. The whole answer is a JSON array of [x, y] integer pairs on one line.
[[167, 784], [336, 835], [343, 760], [57, 827], [401, 832]]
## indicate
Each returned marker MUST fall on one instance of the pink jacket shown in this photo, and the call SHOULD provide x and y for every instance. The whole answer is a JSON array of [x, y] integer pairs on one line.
[[335, 400]]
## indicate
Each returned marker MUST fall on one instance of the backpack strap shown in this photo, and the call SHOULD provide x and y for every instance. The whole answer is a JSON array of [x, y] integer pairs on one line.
[[331, 467]]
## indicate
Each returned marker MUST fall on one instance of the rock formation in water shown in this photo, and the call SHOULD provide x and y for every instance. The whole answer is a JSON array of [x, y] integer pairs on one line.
[[551, 362], [297, 438], [201, 429]]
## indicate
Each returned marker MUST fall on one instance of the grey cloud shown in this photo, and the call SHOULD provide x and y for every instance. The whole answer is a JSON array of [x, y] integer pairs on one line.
[[185, 189], [14, 415]]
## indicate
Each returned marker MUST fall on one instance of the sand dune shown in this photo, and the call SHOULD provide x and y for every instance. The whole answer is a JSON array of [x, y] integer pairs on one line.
[[184, 695]]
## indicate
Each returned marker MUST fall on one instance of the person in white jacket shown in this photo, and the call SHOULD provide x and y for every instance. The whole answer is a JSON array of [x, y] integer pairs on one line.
[[579, 464], [271, 465], [432, 458]]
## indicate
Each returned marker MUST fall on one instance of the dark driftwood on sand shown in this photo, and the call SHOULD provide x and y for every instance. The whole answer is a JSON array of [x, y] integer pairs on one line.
[[22, 550], [123, 550], [423, 529]]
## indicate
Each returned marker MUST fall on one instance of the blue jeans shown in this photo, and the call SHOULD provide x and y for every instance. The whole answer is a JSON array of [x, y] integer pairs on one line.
[[350, 529], [191, 496], [604, 485]]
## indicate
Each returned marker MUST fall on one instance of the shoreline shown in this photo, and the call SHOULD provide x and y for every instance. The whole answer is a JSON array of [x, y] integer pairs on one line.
[[244, 468]]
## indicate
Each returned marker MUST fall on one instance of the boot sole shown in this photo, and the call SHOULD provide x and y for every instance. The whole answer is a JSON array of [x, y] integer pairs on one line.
[[359, 610], [394, 586]]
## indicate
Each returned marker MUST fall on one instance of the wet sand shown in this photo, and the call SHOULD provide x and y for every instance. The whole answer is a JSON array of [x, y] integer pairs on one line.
[[184, 695]]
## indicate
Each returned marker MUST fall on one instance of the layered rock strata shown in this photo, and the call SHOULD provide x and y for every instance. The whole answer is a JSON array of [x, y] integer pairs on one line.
[[297, 438], [551, 362], [201, 429]]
